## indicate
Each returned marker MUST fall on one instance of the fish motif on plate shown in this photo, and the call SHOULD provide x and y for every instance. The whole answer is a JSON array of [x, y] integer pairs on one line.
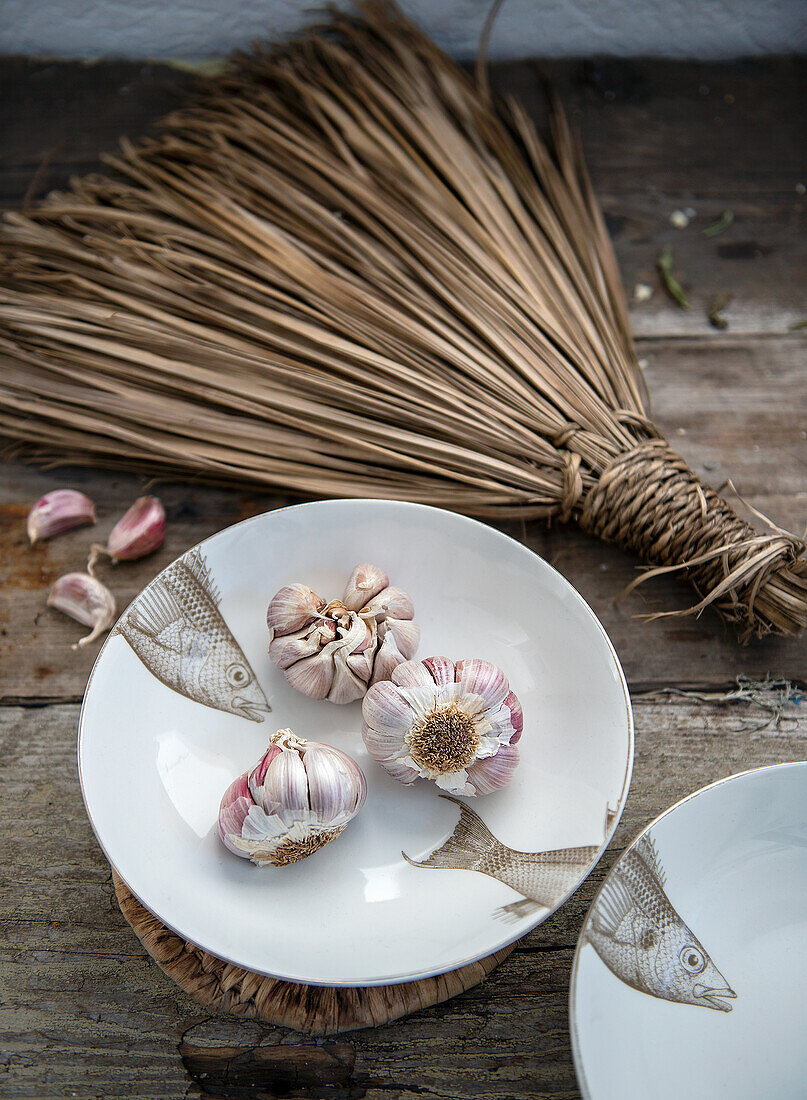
[[643, 941], [542, 878], [177, 630]]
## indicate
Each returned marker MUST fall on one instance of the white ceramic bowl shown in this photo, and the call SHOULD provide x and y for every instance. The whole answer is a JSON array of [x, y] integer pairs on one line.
[[154, 763], [705, 996]]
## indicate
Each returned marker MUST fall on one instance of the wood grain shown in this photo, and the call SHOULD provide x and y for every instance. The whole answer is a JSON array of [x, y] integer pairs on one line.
[[83, 1010], [74, 979]]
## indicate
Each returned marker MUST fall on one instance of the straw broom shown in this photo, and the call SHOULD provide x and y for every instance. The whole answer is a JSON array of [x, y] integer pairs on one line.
[[342, 270]]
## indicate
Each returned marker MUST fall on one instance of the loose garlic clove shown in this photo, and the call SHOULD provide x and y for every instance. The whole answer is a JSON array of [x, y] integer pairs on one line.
[[454, 723], [139, 532], [335, 650], [58, 511], [299, 796], [86, 600], [364, 583]]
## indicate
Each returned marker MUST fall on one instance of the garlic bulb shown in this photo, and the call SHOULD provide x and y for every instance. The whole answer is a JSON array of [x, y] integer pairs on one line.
[[456, 724], [298, 797], [87, 601], [336, 650], [137, 533], [57, 511]]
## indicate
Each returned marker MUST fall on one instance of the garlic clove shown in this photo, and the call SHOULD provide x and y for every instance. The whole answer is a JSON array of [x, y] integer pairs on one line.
[[516, 716], [299, 797], [294, 607], [441, 669], [258, 773], [406, 634], [335, 782], [412, 674], [346, 685], [391, 602], [353, 634], [58, 511], [234, 808], [363, 584], [86, 600], [287, 649], [284, 784], [494, 772], [362, 665], [388, 658], [313, 676], [396, 768], [386, 710], [369, 639], [139, 532], [482, 678]]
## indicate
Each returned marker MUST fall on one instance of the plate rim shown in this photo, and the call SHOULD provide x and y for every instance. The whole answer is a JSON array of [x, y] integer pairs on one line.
[[431, 972], [582, 1082]]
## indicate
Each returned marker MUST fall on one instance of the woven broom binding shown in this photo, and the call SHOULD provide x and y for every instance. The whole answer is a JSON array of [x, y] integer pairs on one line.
[[649, 501]]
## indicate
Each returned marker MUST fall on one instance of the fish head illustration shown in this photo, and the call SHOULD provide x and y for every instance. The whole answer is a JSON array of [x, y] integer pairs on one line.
[[226, 677], [686, 973]]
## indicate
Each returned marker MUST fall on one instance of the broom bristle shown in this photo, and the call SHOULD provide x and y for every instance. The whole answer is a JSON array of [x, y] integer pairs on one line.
[[339, 271]]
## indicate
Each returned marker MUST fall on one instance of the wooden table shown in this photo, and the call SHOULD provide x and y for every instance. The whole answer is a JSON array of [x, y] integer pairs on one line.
[[83, 1010]]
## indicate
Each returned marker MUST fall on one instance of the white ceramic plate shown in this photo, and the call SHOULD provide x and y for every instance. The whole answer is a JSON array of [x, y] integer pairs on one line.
[[690, 978], [154, 763]]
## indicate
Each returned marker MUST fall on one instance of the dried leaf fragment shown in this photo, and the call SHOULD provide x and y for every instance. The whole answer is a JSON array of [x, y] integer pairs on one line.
[[664, 263]]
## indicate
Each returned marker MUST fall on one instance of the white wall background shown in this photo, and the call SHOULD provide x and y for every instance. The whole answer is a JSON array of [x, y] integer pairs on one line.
[[196, 29]]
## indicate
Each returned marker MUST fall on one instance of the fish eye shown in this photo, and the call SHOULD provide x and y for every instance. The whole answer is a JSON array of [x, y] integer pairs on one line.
[[692, 959], [237, 675]]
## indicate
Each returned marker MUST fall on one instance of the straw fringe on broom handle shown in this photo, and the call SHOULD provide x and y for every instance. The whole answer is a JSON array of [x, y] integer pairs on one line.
[[649, 501]]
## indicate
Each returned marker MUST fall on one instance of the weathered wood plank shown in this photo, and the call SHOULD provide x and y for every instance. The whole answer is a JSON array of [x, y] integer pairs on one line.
[[734, 408], [660, 137], [698, 126], [56, 118], [74, 979]]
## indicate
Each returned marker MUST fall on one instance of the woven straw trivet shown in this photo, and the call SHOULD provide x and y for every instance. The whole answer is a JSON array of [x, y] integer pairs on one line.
[[313, 1009]]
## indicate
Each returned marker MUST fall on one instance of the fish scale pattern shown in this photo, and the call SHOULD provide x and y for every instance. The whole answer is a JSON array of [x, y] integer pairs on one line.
[[177, 630], [644, 942]]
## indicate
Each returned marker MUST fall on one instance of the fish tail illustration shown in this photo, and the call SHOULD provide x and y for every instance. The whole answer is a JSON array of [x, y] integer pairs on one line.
[[467, 846], [513, 912]]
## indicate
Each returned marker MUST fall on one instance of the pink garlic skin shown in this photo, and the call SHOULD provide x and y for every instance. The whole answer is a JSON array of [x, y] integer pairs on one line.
[[392, 709], [139, 532], [298, 797], [293, 607], [335, 651], [86, 600], [58, 511]]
